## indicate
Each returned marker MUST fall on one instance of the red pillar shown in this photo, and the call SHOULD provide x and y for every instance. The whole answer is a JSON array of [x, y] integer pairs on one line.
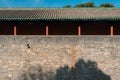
[[79, 30], [111, 31], [47, 31], [15, 32]]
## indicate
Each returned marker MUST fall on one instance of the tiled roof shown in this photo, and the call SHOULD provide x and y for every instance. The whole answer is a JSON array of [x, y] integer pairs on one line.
[[60, 14]]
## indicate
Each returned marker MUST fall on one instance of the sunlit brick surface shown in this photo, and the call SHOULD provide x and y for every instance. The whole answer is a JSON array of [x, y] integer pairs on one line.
[[51, 52]]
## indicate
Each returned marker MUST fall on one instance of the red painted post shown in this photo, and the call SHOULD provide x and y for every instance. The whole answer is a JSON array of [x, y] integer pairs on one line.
[[47, 31], [111, 31], [79, 30], [15, 31]]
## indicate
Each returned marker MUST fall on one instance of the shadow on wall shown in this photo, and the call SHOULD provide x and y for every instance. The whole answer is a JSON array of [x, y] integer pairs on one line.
[[83, 70], [36, 73]]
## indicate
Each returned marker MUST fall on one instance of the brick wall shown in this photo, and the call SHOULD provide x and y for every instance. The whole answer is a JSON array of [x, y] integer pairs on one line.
[[17, 53]]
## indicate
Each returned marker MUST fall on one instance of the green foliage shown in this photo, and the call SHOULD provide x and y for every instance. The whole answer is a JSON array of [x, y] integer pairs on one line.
[[106, 5], [88, 4], [67, 6]]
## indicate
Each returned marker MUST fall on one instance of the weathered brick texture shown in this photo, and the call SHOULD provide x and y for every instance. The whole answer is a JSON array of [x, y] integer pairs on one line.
[[17, 53]]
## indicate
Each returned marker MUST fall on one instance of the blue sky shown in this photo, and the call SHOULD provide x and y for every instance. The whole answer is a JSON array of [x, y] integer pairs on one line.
[[51, 3]]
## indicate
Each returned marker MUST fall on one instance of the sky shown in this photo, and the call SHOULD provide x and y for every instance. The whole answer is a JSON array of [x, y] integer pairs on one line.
[[51, 3]]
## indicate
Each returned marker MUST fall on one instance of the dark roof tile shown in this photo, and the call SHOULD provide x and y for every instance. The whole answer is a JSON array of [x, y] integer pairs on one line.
[[50, 14]]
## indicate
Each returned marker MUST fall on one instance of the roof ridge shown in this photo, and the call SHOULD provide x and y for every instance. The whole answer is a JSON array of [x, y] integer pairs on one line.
[[60, 8]]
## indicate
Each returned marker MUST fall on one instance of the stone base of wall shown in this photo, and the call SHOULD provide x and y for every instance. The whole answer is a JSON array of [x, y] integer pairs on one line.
[[18, 53]]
